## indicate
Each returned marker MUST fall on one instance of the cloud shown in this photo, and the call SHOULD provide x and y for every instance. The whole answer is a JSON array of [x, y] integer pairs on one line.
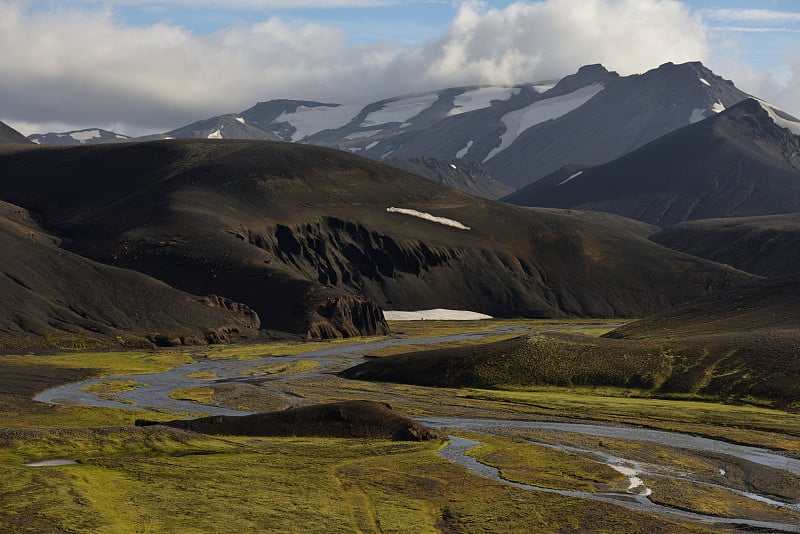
[[240, 4], [778, 87], [84, 67], [750, 15]]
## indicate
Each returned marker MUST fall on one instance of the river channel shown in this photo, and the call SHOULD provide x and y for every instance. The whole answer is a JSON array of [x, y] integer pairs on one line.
[[154, 392]]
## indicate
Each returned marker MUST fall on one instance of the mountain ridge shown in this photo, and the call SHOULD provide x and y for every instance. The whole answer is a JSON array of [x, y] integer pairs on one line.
[[737, 163]]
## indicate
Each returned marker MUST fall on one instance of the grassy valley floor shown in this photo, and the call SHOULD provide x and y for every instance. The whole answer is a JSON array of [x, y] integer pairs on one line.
[[156, 479]]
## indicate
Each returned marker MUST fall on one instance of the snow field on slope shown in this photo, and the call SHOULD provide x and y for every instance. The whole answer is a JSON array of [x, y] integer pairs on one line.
[[85, 136], [520, 120], [428, 217], [438, 314], [310, 120], [571, 177], [401, 110], [481, 98], [463, 152], [792, 126]]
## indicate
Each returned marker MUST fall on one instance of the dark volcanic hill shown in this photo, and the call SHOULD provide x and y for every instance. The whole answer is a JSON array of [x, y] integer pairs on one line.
[[772, 304], [10, 135], [767, 246], [468, 177], [303, 234], [348, 419], [54, 298], [736, 164]]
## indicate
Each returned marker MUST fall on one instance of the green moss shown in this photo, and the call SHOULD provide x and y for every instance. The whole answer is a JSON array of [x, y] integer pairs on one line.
[[283, 369], [519, 461]]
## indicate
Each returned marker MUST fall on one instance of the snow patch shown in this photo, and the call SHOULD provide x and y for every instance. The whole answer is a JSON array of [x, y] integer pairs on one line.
[[37, 141], [571, 177], [85, 135], [722, 472], [454, 167], [310, 120], [543, 87], [463, 152], [387, 154], [122, 136], [705, 82], [354, 150], [481, 98], [240, 119], [547, 109], [428, 217], [438, 314], [51, 463], [792, 126], [717, 107], [697, 115], [401, 110], [372, 145], [362, 135], [217, 134], [405, 125]]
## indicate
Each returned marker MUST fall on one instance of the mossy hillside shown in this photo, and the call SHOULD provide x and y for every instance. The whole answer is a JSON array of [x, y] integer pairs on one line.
[[541, 359], [756, 367]]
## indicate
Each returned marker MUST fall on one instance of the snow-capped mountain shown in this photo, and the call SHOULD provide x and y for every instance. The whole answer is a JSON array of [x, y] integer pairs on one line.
[[87, 136], [743, 162], [232, 126], [10, 135], [519, 133]]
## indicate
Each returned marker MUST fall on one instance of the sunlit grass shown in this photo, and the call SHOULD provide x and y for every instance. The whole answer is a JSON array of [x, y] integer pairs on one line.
[[112, 388], [294, 367], [160, 481], [523, 462]]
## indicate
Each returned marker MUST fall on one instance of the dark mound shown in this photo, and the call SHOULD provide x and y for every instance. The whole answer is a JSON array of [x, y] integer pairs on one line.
[[54, 298], [767, 246], [303, 236], [10, 135], [738, 163], [469, 177], [546, 359], [739, 344], [351, 419]]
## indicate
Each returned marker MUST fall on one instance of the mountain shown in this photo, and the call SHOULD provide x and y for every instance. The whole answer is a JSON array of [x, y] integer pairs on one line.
[[222, 127], [55, 298], [518, 133], [316, 240], [766, 246], [468, 177], [88, 136], [10, 135], [738, 163]]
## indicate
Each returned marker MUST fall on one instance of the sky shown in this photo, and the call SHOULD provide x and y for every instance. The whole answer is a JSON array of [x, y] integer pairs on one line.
[[147, 66]]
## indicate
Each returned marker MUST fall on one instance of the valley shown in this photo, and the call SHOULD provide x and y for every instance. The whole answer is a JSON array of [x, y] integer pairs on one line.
[[553, 457], [511, 291]]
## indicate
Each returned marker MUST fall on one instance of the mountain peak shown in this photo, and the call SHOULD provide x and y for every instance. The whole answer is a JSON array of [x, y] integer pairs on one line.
[[764, 114], [10, 135]]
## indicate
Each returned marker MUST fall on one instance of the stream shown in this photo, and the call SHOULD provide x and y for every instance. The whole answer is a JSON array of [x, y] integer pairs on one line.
[[154, 391]]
